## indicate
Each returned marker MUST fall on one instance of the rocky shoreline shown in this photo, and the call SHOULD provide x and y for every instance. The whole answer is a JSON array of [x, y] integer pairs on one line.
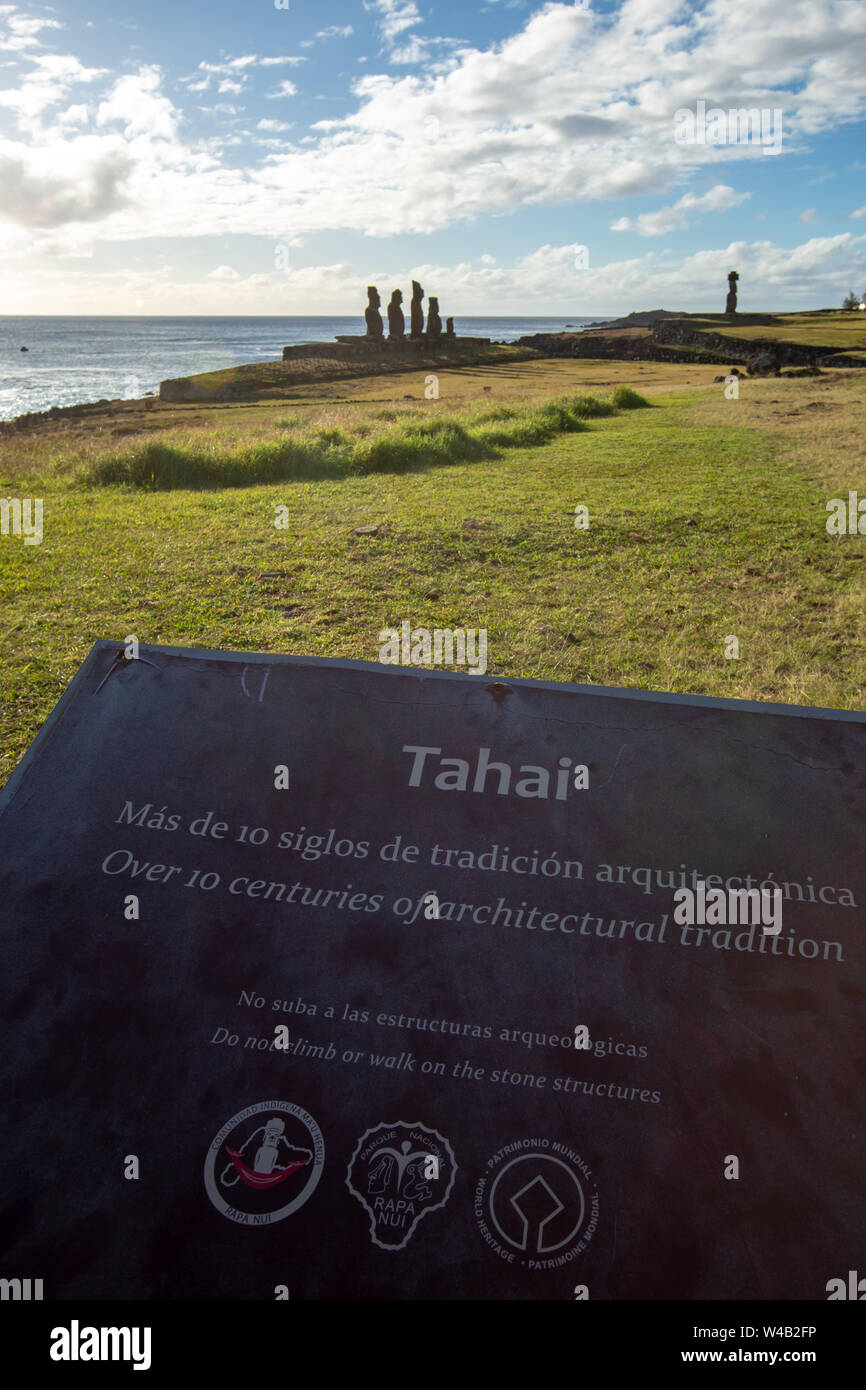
[[657, 335]]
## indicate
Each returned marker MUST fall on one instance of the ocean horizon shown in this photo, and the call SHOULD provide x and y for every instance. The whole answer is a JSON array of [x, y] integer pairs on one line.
[[72, 360]]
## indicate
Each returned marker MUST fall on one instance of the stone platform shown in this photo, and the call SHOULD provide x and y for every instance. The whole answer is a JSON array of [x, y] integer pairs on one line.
[[387, 350], [309, 363]]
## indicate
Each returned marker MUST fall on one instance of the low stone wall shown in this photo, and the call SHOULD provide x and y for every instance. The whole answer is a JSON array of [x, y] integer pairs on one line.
[[789, 354], [674, 341], [622, 349], [308, 363], [387, 351]]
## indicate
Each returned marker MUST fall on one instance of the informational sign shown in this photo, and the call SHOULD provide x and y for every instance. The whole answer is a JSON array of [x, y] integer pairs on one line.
[[328, 980]]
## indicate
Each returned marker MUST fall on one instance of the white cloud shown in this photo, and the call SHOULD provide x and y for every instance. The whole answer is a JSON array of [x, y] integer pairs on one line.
[[679, 214], [395, 16], [234, 69], [47, 83], [74, 115], [248, 60], [544, 282], [231, 64], [335, 31], [859, 212], [137, 105], [809, 215], [21, 29], [285, 89], [415, 51], [576, 106], [80, 181]]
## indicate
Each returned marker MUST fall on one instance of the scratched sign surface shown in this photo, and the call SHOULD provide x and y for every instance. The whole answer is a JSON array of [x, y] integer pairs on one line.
[[331, 980]]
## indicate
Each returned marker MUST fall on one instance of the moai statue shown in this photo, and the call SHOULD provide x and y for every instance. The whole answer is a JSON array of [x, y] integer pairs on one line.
[[449, 328], [396, 321], [371, 313], [434, 323], [416, 319], [731, 301]]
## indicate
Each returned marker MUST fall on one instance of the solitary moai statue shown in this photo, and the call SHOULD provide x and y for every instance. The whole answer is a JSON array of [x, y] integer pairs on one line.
[[371, 313], [434, 323], [396, 321], [731, 301], [449, 328], [416, 312]]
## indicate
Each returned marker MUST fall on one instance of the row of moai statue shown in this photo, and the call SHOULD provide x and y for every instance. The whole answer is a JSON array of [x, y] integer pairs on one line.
[[396, 318]]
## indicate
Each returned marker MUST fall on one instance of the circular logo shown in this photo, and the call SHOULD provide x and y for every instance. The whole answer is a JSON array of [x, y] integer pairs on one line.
[[537, 1204], [265, 1163]]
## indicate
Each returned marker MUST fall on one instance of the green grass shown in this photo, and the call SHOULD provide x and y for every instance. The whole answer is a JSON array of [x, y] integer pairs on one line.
[[401, 442], [845, 330], [626, 399], [706, 519], [275, 380]]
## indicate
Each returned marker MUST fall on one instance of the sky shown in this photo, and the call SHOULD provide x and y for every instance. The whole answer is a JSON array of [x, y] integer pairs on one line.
[[217, 157]]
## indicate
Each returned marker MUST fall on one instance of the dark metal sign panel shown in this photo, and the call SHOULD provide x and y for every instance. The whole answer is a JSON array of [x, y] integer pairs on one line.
[[331, 980]]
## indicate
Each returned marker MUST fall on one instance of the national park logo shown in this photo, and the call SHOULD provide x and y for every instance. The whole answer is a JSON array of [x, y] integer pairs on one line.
[[265, 1163], [537, 1198], [399, 1172]]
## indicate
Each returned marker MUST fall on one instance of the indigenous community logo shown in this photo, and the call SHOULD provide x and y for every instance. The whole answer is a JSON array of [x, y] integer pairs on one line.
[[265, 1163], [399, 1172], [537, 1204]]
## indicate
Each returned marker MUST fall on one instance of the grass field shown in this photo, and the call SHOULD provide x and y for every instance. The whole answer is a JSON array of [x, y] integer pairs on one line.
[[707, 519], [843, 330]]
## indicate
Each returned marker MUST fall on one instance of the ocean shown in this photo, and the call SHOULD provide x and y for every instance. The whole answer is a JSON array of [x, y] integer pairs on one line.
[[73, 360]]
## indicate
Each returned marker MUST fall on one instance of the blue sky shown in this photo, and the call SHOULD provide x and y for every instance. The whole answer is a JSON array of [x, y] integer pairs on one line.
[[214, 157]]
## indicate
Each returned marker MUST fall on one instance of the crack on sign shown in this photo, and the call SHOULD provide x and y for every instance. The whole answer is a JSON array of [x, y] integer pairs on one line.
[[622, 748], [115, 665]]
